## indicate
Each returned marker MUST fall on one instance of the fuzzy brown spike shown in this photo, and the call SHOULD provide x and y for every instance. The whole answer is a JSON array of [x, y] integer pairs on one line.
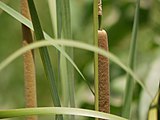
[[29, 65], [103, 74]]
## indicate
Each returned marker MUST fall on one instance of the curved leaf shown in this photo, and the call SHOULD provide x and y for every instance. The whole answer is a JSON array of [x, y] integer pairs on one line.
[[75, 44], [56, 110]]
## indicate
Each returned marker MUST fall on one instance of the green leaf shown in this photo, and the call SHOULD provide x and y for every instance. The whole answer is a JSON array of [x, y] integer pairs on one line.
[[130, 83], [152, 82], [45, 56], [75, 44], [52, 8], [59, 17], [66, 20], [56, 110]]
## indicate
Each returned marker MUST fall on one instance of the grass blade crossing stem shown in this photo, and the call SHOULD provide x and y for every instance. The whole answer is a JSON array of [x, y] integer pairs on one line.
[[44, 54]]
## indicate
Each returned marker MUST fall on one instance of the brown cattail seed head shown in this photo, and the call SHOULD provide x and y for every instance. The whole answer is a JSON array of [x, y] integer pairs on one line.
[[103, 74]]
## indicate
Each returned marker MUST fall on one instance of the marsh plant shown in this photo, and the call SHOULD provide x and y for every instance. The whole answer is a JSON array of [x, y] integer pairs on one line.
[[79, 59]]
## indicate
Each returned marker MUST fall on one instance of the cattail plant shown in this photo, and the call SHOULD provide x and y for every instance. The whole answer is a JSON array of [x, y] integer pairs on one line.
[[65, 95], [103, 67], [29, 65]]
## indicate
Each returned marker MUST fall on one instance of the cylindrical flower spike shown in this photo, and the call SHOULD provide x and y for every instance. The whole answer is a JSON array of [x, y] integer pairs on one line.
[[103, 74], [29, 65]]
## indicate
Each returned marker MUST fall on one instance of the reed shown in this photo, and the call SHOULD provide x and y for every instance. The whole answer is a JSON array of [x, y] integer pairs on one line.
[[29, 64], [64, 96]]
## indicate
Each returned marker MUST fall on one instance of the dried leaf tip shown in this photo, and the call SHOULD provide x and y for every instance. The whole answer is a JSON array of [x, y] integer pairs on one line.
[[100, 7]]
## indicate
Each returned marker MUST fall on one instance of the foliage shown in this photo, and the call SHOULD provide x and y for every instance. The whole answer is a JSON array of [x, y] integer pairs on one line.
[[117, 20]]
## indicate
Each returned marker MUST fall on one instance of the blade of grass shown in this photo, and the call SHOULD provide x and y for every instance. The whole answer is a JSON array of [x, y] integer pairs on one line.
[[52, 7], [59, 31], [63, 62], [59, 17], [75, 44], [67, 34], [95, 33], [28, 23], [44, 55], [130, 83], [57, 110]]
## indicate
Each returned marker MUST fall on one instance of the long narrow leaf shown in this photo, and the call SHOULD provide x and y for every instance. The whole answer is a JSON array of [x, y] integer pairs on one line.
[[56, 110], [75, 44], [59, 17], [67, 35], [52, 8], [59, 32], [44, 55], [130, 83]]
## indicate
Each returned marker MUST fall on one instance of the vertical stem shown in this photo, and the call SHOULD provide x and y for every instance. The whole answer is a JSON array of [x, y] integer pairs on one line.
[[158, 114], [52, 8], [130, 83], [67, 33], [103, 74], [58, 34], [95, 29], [99, 13], [29, 66]]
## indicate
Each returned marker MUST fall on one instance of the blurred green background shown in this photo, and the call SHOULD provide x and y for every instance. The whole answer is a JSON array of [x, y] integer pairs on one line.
[[118, 18]]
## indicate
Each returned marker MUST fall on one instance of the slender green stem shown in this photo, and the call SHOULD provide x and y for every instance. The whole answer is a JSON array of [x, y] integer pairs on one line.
[[66, 20], [59, 31], [52, 8], [130, 83], [95, 32], [158, 114], [68, 35], [59, 17]]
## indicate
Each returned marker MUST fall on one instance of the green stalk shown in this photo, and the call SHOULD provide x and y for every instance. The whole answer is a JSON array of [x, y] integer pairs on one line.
[[130, 83], [95, 32], [67, 34], [59, 31], [158, 114], [44, 55], [59, 17], [62, 60], [52, 9]]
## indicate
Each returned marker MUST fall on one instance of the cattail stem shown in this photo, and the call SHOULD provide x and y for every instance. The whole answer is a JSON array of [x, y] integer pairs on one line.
[[158, 103], [103, 74], [99, 13], [29, 65]]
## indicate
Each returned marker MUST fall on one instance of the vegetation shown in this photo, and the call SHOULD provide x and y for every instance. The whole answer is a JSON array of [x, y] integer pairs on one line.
[[67, 56]]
